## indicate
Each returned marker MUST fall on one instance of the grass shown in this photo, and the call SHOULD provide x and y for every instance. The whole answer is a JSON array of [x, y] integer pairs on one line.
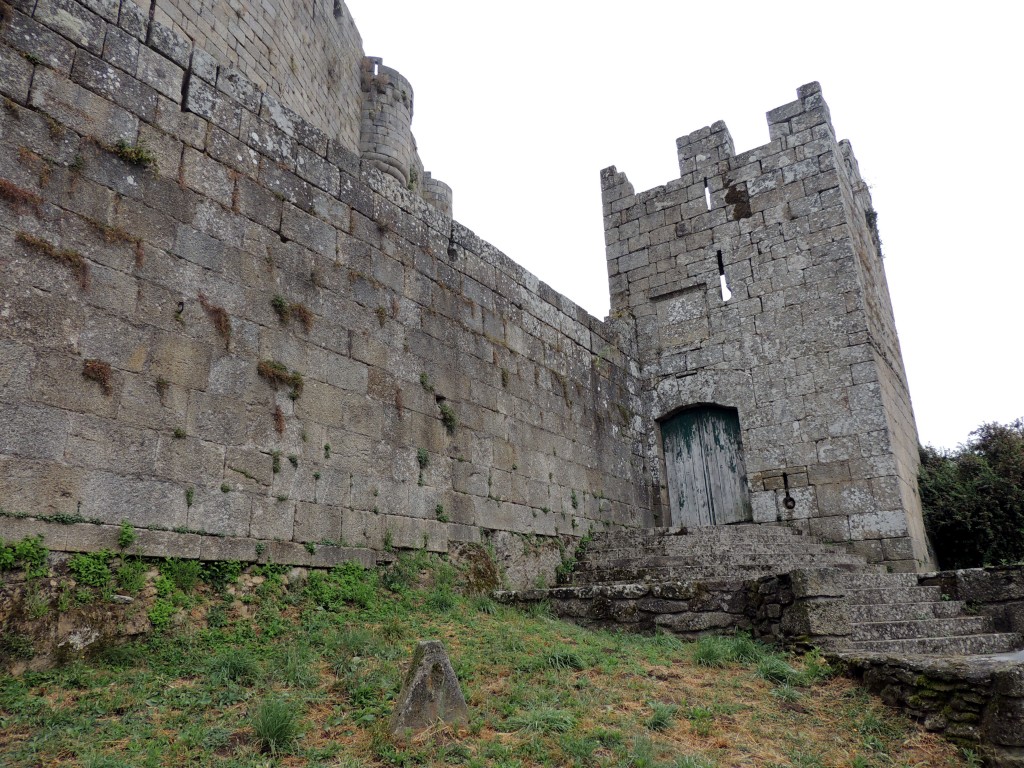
[[257, 672]]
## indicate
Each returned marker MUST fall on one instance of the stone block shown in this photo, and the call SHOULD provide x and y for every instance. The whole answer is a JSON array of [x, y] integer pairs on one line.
[[430, 693], [37, 432], [133, 19], [91, 114], [28, 36], [695, 622], [121, 49], [362, 529], [74, 22], [15, 75], [328, 557], [180, 360], [114, 85], [166, 41], [161, 74], [317, 522], [808, 618], [111, 498], [214, 511], [97, 443], [55, 536], [415, 533], [878, 525], [152, 543], [227, 548]]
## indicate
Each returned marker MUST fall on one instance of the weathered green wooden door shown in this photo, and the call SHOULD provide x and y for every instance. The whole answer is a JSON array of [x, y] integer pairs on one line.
[[704, 459]]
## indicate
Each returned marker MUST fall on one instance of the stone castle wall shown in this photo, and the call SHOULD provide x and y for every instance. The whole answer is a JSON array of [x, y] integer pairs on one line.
[[303, 53], [158, 317], [256, 347], [805, 347]]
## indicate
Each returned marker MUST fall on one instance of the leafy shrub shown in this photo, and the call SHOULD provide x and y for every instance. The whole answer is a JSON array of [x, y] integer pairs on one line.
[[92, 569], [404, 572], [973, 497], [29, 553], [161, 613], [126, 535], [131, 576], [221, 573]]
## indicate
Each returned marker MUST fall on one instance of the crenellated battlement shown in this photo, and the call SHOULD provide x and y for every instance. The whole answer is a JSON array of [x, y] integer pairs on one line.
[[754, 281]]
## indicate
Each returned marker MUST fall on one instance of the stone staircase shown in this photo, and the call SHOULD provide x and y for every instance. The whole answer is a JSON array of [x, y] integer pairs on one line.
[[890, 613], [727, 552], [885, 613]]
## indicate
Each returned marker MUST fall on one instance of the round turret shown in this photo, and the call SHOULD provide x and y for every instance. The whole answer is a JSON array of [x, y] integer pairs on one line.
[[385, 138]]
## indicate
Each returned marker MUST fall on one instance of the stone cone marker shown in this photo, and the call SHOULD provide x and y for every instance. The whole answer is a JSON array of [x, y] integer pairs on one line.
[[430, 693]]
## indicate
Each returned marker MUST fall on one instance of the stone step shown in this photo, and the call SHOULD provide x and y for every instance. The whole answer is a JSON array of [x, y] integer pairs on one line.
[[684, 546], [905, 630], [876, 596], [785, 561], [717, 572], [966, 645], [942, 609], [629, 537], [881, 580]]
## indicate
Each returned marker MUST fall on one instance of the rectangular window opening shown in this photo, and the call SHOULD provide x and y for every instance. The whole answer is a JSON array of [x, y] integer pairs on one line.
[[707, 194], [723, 283]]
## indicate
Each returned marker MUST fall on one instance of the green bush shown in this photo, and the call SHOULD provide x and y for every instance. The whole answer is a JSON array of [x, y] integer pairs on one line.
[[183, 574], [92, 569], [131, 576], [973, 498], [345, 583], [160, 614], [29, 553]]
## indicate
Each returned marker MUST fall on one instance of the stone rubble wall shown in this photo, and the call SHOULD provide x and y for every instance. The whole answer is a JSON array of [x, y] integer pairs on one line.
[[978, 701], [805, 349], [767, 607], [136, 394]]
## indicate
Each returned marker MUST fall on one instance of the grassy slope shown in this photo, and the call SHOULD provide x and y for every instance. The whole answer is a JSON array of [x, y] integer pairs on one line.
[[541, 692]]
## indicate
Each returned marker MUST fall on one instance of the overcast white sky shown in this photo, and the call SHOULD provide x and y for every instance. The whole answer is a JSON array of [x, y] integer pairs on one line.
[[518, 106]]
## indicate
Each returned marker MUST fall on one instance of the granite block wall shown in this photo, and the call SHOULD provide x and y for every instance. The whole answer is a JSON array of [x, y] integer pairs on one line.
[[801, 341], [222, 327], [300, 53]]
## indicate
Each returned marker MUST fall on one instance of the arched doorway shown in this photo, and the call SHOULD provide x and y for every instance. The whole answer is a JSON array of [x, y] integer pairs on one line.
[[707, 482]]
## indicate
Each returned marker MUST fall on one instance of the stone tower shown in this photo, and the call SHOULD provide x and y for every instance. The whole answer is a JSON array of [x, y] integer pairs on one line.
[[770, 366]]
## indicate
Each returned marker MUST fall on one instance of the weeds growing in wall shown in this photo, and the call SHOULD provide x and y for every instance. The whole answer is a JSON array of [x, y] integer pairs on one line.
[[218, 316], [69, 258], [100, 372], [21, 199], [277, 373]]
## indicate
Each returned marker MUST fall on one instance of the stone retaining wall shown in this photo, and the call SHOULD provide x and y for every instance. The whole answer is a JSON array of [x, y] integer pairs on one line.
[[976, 702]]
